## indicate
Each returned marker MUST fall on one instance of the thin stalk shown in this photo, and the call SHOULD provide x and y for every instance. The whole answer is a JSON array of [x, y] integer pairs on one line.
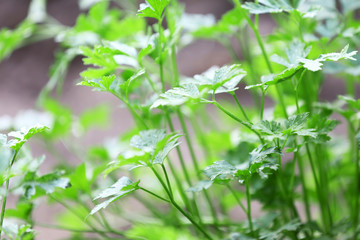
[[240, 107], [46, 225], [154, 194], [195, 162], [188, 142], [167, 179], [161, 66], [237, 199], [261, 45], [248, 197], [79, 217], [151, 208], [172, 201], [304, 188], [161, 182], [357, 195], [159, 55], [3, 207], [180, 186], [299, 158], [174, 65], [178, 151], [247, 125], [355, 150], [197, 225], [195, 208], [284, 193], [245, 50], [318, 191], [262, 104]]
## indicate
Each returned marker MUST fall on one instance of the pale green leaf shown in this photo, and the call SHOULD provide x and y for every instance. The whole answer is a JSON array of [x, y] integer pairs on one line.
[[177, 96], [119, 189], [22, 136], [153, 8], [199, 186]]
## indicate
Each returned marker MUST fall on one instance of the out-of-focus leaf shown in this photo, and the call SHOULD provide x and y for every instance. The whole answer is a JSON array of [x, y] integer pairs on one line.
[[97, 116], [37, 11], [47, 182], [273, 235], [153, 8], [12, 39], [22, 136], [199, 186]]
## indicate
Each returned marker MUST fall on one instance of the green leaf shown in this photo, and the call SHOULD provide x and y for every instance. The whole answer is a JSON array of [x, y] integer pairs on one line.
[[23, 210], [12, 39], [220, 170], [315, 65], [294, 52], [119, 189], [177, 96], [157, 143], [97, 116], [268, 127], [199, 186], [48, 183], [224, 79], [37, 11], [296, 125], [151, 231], [268, 6], [17, 232], [22, 136], [205, 26], [153, 8], [262, 161], [5, 154], [273, 79], [273, 235]]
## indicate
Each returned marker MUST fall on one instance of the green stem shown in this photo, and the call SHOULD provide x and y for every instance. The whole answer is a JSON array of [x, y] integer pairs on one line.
[[161, 182], [172, 201], [188, 142], [318, 191], [80, 217], [195, 162], [197, 225], [155, 195], [248, 197], [263, 51], [247, 125], [3, 207], [174, 65], [178, 151], [303, 184], [240, 107], [262, 104], [46, 225], [167, 180], [237, 198]]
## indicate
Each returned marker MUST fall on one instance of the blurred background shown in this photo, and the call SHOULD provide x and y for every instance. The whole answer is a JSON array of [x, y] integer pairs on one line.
[[24, 73]]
